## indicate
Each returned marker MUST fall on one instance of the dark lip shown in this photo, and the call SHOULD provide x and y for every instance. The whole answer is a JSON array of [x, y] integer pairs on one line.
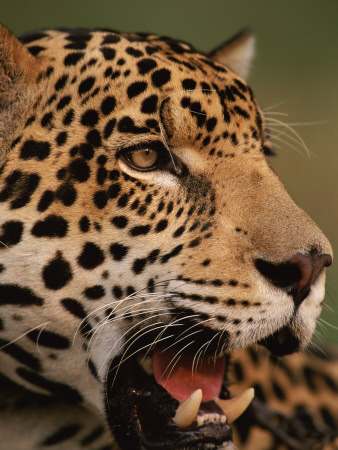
[[140, 415], [282, 342]]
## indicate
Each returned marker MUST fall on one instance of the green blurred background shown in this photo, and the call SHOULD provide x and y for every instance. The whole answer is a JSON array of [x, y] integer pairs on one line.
[[294, 76]]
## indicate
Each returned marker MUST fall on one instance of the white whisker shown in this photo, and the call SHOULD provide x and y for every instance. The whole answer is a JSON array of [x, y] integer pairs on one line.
[[177, 356], [276, 122], [135, 352], [42, 326], [276, 105]]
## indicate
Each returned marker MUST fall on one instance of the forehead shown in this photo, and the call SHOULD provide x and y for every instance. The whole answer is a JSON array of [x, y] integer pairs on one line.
[[165, 62], [132, 75]]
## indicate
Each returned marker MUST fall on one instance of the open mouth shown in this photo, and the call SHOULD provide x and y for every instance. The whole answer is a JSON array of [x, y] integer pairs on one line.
[[152, 404], [173, 400]]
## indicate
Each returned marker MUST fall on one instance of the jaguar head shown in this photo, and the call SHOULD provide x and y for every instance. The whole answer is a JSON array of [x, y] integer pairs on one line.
[[146, 224]]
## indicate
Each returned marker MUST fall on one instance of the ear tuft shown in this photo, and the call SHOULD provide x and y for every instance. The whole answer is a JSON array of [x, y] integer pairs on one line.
[[236, 53]]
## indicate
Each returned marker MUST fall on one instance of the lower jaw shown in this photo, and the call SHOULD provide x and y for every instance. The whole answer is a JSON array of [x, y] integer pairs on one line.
[[141, 414]]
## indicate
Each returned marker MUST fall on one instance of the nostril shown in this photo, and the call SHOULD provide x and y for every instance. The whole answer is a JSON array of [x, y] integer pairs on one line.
[[281, 275], [296, 274]]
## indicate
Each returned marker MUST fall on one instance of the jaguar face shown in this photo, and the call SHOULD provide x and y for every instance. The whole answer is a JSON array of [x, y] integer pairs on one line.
[[146, 231]]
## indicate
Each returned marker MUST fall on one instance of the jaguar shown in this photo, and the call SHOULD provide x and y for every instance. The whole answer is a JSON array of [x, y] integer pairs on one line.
[[146, 249]]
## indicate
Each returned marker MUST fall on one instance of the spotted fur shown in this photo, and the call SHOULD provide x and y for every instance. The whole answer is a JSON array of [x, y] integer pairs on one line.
[[100, 258]]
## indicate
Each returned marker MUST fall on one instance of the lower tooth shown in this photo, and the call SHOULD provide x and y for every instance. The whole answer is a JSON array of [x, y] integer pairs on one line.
[[200, 420], [146, 363], [232, 408]]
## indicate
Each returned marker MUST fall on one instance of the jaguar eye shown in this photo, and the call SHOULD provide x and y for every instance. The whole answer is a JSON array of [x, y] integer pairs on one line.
[[142, 159], [150, 156]]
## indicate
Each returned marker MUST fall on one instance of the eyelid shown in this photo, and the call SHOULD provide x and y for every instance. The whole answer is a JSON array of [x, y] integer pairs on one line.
[[166, 160], [153, 145]]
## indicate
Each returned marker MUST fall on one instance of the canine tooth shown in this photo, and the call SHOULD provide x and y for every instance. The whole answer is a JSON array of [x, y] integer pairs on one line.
[[146, 363], [223, 418], [234, 407], [186, 412]]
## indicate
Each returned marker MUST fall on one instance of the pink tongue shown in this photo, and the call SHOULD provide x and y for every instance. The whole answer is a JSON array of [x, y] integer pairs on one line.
[[181, 381]]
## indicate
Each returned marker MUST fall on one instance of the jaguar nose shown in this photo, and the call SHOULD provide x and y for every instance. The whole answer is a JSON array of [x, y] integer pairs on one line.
[[295, 275]]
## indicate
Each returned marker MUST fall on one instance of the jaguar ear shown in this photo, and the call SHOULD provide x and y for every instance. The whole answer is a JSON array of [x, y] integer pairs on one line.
[[236, 53], [17, 67], [18, 73]]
